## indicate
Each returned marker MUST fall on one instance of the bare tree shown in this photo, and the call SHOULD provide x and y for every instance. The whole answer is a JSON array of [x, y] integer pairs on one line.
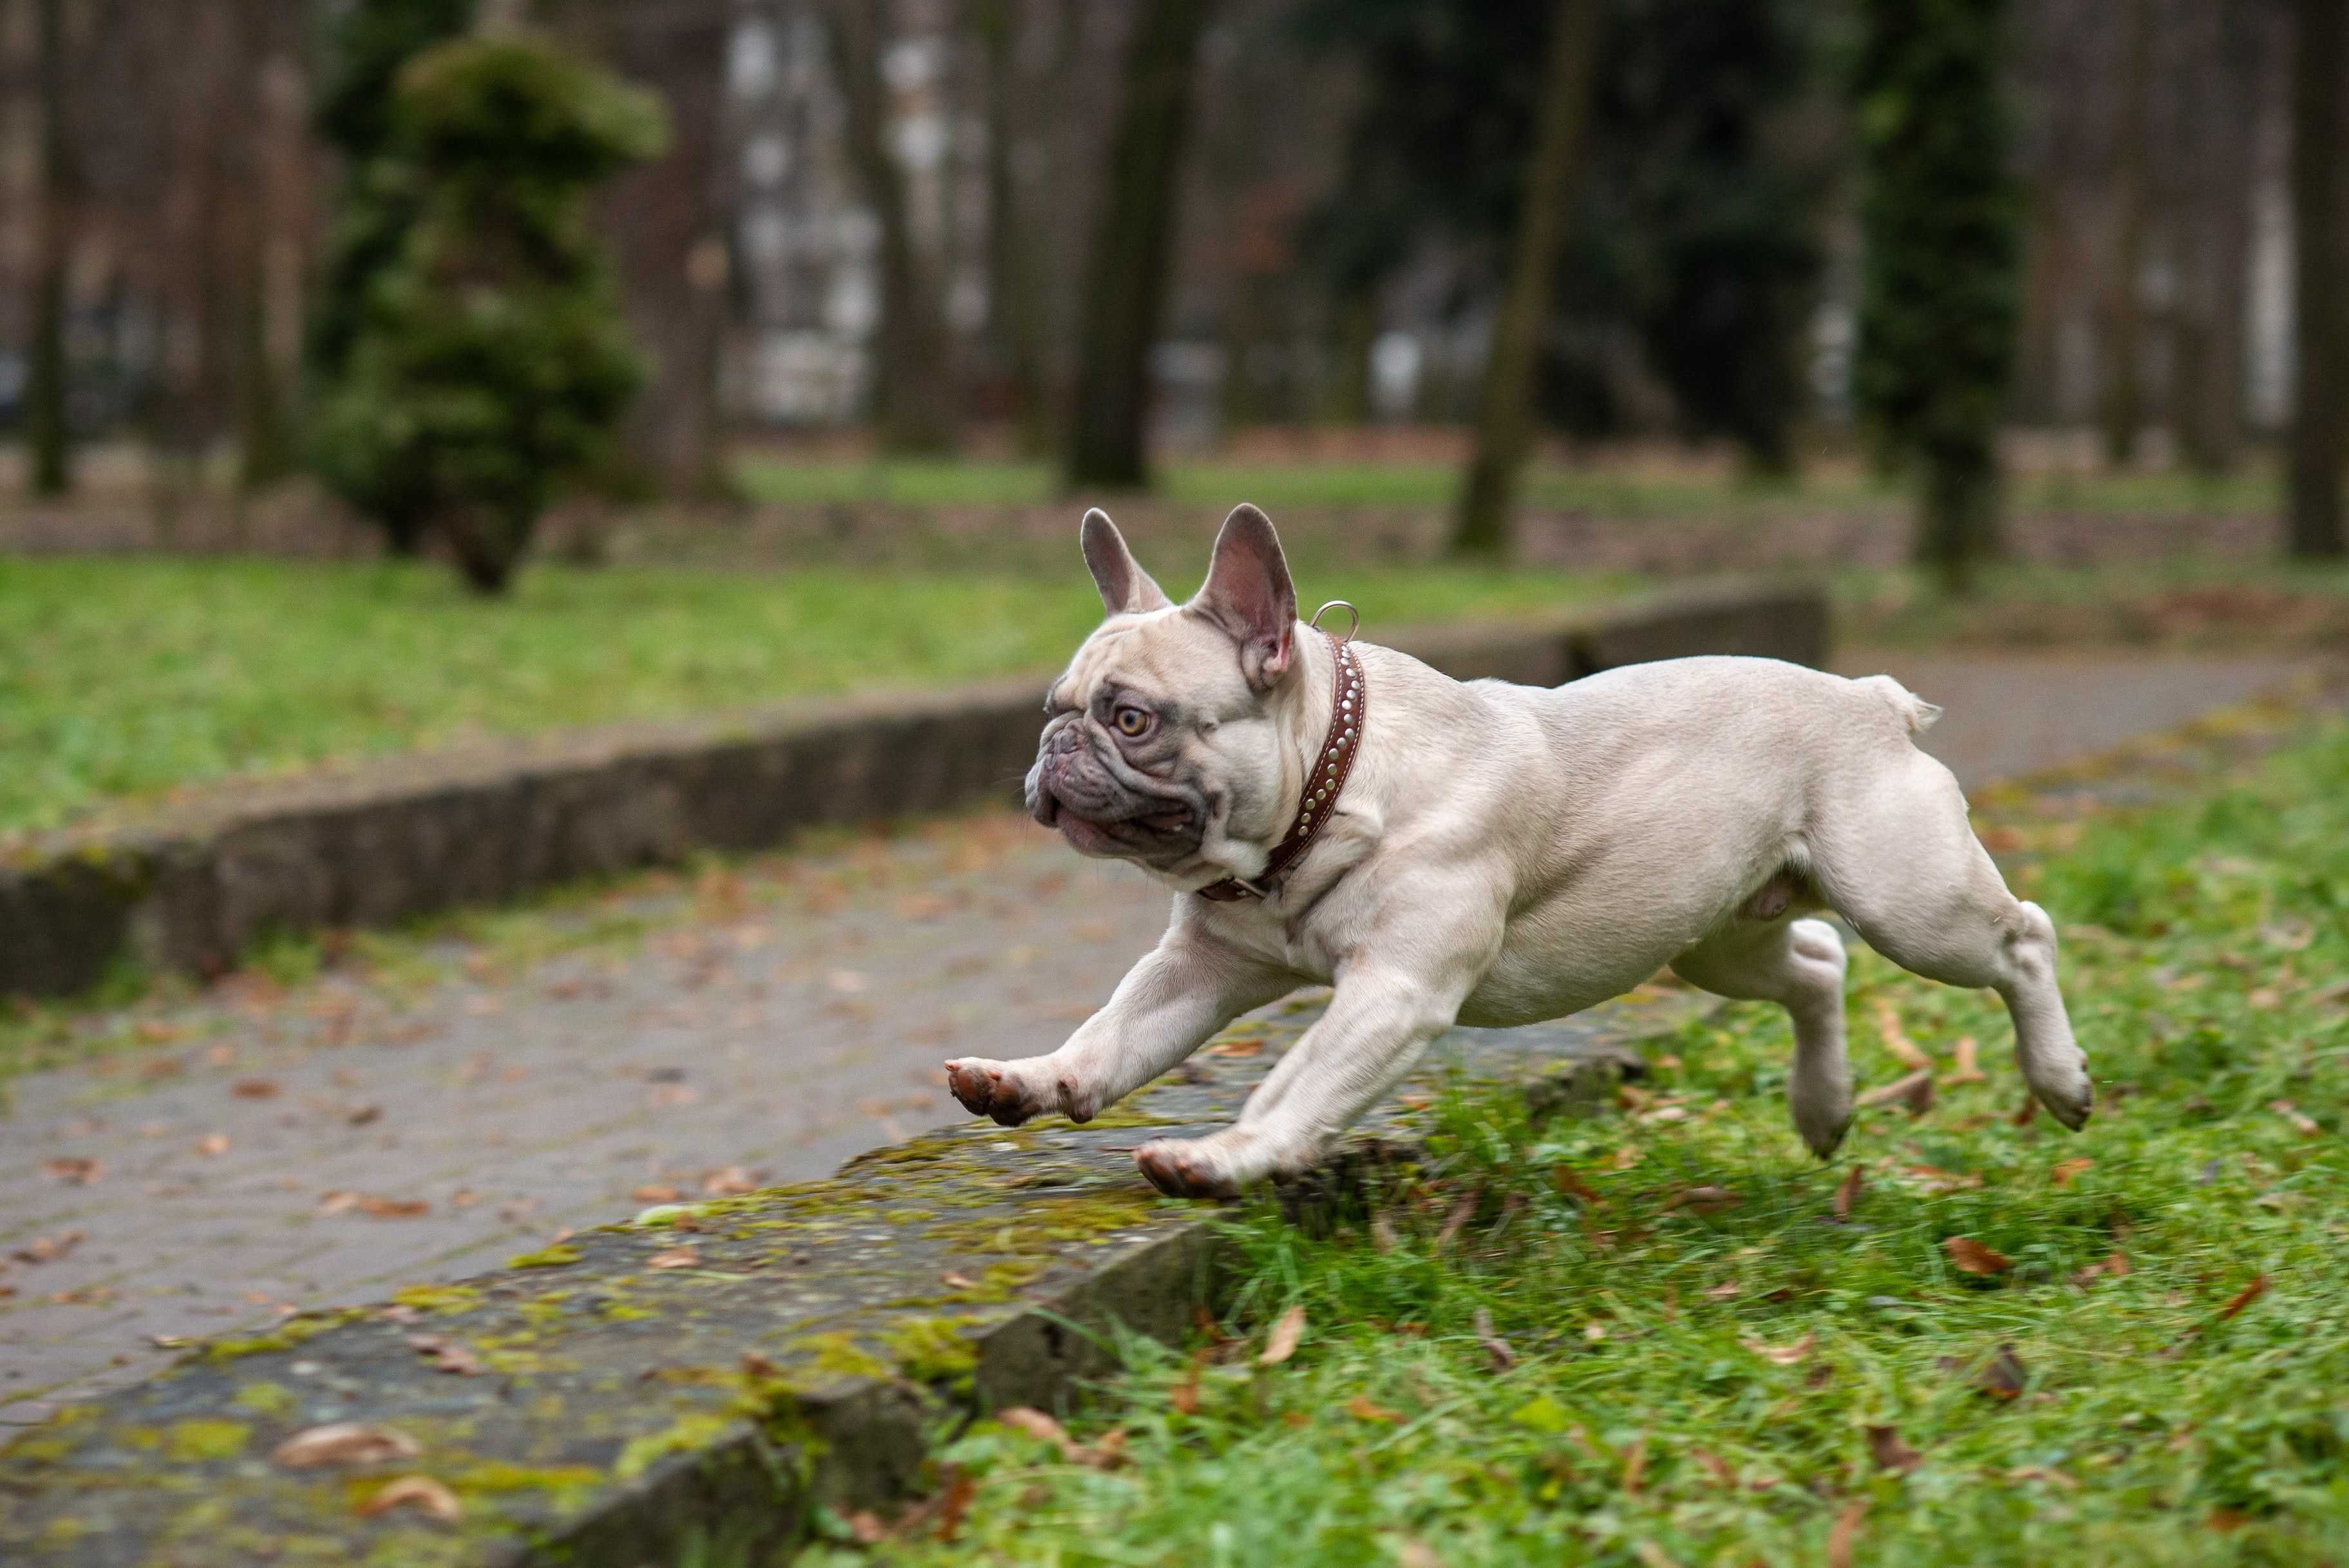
[[1130, 266], [2123, 356], [1015, 311], [48, 414], [2321, 52], [1504, 418]]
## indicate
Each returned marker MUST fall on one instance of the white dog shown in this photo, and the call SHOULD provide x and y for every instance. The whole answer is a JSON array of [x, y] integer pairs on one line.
[[1499, 855]]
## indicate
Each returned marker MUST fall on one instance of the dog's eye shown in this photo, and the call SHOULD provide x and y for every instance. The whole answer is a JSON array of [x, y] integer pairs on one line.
[[1130, 721]]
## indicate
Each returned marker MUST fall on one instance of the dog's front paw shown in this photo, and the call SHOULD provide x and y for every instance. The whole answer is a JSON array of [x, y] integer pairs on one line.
[[992, 1089]]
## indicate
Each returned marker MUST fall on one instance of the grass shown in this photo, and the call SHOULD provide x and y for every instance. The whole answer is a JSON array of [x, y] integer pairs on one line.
[[1660, 490], [1709, 1364], [127, 677]]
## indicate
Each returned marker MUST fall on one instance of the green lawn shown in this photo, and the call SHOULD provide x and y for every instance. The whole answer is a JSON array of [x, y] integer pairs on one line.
[[123, 678], [1659, 492], [1710, 1361]]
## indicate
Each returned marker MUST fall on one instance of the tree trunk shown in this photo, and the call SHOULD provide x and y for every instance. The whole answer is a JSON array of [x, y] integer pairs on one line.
[[1131, 263], [2121, 411], [2318, 60], [1014, 312], [915, 403], [1482, 527], [2207, 381], [47, 414]]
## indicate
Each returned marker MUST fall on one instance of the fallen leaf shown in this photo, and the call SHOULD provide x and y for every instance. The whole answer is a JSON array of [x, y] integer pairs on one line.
[[394, 1208], [1727, 1290], [2039, 1473], [657, 1193], [2067, 1170], [2302, 1123], [956, 1503], [49, 1249], [1635, 1465], [420, 1492], [1247, 1045], [1972, 1257], [344, 1443], [865, 1528], [336, 1201], [1884, 1445], [1914, 1093], [74, 1169], [1184, 1396], [674, 1258], [730, 1181], [1845, 1530], [1967, 1070], [1282, 1342], [1501, 1353], [1412, 1553], [2024, 1112], [2001, 1376], [1361, 1410], [1935, 1180], [254, 1088], [959, 1281], [2243, 1298], [1847, 1193], [212, 1145], [1895, 1039], [1034, 1422], [1702, 1200], [1715, 1466], [1630, 1155], [447, 1355], [360, 1116], [1783, 1354], [1574, 1186], [1652, 1555], [1462, 1212], [2113, 1267]]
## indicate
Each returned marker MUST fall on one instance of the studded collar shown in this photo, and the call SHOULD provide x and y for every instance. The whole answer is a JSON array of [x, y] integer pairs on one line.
[[1348, 703]]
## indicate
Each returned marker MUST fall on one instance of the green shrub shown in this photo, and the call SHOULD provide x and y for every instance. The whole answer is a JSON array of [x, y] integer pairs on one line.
[[489, 357]]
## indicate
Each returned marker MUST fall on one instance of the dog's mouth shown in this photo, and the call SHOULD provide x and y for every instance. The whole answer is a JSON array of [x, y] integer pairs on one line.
[[1159, 830]]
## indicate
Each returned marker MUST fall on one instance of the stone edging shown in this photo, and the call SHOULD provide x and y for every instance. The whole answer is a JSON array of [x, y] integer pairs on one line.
[[713, 1371], [192, 889]]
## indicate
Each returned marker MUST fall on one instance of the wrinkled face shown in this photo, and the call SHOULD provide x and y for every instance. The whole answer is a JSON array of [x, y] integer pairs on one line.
[[1153, 739], [1164, 745]]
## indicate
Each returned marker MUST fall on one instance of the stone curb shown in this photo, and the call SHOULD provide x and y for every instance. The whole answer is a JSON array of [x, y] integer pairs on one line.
[[712, 1372], [192, 888]]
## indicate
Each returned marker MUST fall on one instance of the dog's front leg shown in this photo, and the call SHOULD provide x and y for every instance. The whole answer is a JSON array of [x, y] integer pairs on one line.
[[1380, 1021], [1182, 992]]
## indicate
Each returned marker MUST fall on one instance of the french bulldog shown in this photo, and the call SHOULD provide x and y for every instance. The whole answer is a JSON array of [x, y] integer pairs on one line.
[[1494, 854]]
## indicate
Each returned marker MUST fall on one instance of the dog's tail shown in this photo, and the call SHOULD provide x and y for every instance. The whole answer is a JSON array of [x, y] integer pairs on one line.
[[1914, 711]]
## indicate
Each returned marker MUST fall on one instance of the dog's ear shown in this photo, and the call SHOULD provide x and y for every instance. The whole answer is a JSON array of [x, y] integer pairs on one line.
[[1125, 588], [1248, 593]]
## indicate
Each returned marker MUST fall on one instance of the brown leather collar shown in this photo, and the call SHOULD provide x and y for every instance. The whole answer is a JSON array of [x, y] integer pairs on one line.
[[1348, 703]]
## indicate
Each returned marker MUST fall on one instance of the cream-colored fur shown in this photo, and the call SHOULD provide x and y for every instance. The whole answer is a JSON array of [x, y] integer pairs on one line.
[[1501, 854]]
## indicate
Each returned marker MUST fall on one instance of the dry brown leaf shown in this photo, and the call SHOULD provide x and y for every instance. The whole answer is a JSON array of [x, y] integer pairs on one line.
[[1411, 1552], [955, 1503], [2113, 1267], [1935, 1180], [865, 1526], [1184, 1396], [1968, 1069], [1574, 1186], [2039, 1473], [1702, 1200], [338, 1200], [2300, 1123], [674, 1258], [49, 1249], [1361, 1410], [1034, 1422], [420, 1492], [1635, 1465], [394, 1208], [2001, 1376], [729, 1181], [657, 1193], [1652, 1555], [360, 1116], [1462, 1212], [2243, 1298], [2024, 1113], [1913, 1094], [1784, 1354], [254, 1088], [1972, 1257], [1503, 1354], [1895, 1039], [1847, 1193], [2067, 1170], [212, 1145], [447, 1354], [1282, 1342], [1247, 1045], [1727, 1290], [1715, 1466], [1884, 1445], [344, 1443], [1845, 1531], [74, 1169]]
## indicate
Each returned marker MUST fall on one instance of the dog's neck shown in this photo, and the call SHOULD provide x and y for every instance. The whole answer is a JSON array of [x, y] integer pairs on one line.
[[1321, 729]]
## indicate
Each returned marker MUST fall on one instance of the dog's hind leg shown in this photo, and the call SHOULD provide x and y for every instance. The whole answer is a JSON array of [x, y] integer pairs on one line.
[[1799, 964], [1895, 857]]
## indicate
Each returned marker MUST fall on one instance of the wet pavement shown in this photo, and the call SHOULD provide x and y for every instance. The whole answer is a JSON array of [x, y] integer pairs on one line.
[[434, 1103]]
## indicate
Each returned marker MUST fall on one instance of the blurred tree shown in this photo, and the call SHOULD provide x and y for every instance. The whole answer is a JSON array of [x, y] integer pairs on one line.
[[369, 44], [2123, 410], [916, 382], [1938, 299], [1692, 233], [1505, 414], [1128, 267], [2321, 55], [1014, 314], [47, 413], [489, 357]]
